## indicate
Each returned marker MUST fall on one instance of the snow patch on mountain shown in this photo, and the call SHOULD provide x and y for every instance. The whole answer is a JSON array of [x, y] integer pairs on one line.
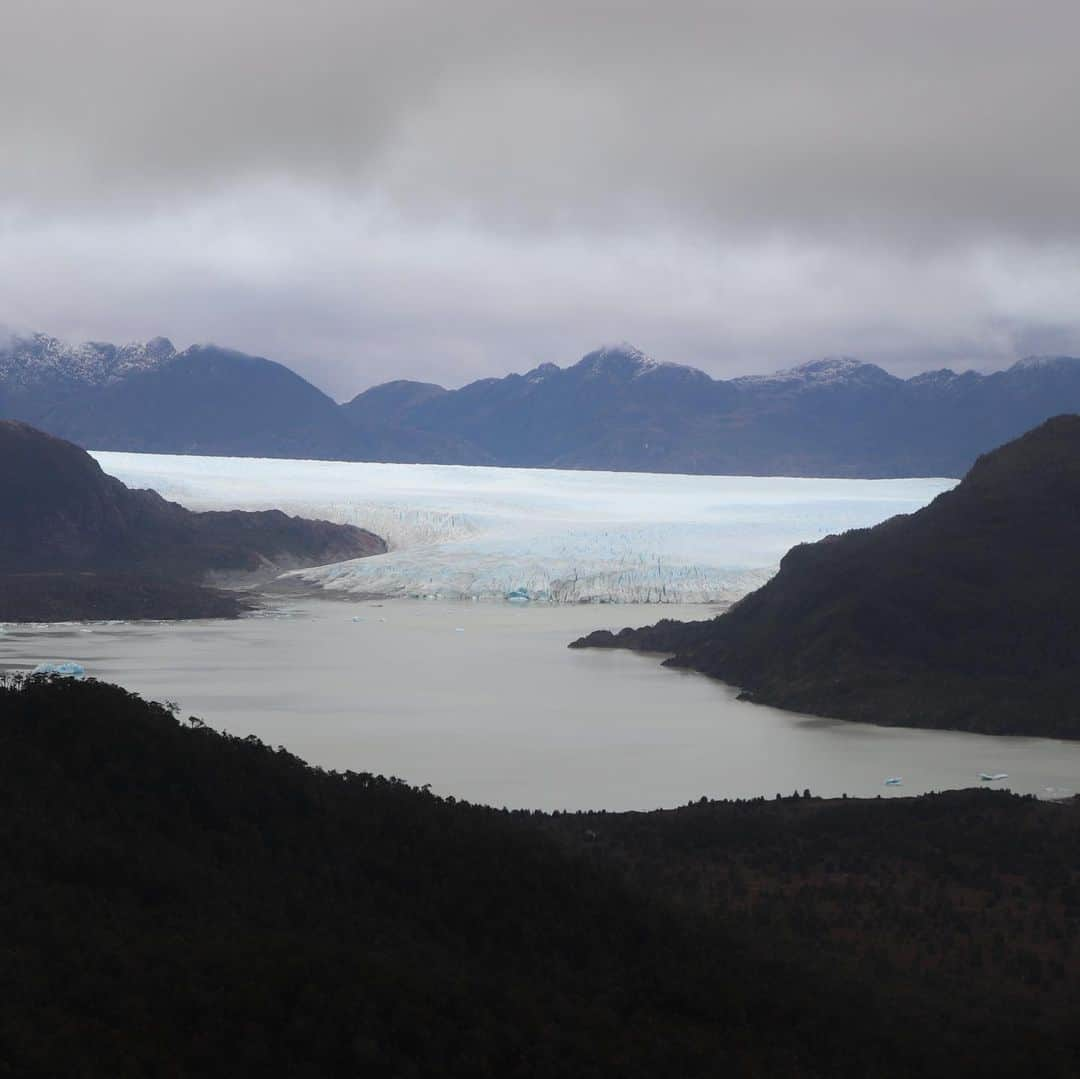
[[626, 360], [29, 361], [834, 370], [544, 371]]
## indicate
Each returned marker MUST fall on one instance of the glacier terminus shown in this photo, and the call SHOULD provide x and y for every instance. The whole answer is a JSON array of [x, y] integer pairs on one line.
[[537, 535]]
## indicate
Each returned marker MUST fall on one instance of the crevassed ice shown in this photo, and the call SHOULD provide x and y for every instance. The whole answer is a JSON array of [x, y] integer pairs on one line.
[[557, 536]]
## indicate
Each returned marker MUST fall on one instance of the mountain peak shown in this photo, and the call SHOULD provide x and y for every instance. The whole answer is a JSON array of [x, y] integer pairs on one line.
[[617, 358], [836, 369], [544, 370], [626, 360], [28, 361], [159, 347], [827, 370]]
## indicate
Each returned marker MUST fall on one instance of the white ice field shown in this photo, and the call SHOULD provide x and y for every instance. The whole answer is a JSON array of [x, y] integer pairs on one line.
[[554, 536]]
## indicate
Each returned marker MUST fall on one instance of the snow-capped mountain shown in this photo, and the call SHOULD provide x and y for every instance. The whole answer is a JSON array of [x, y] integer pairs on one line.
[[621, 360], [830, 371], [619, 409], [149, 397], [615, 409], [26, 362]]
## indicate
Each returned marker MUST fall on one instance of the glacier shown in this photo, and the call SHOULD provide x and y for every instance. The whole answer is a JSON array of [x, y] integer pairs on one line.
[[470, 532]]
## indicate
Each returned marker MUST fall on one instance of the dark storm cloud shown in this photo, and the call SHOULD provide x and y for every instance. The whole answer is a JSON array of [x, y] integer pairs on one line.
[[449, 189]]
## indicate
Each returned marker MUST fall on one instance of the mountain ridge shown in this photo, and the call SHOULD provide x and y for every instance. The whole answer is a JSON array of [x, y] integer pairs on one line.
[[614, 409]]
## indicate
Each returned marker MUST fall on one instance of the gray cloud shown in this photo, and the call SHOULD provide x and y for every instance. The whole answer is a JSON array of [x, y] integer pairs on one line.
[[371, 189]]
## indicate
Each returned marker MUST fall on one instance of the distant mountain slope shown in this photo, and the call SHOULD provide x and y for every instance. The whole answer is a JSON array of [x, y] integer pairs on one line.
[[383, 416], [204, 400], [388, 404], [61, 515], [615, 409], [964, 615]]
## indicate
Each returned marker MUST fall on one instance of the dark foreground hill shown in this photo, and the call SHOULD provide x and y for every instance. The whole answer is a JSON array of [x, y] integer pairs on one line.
[[964, 615], [180, 903], [77, 543]]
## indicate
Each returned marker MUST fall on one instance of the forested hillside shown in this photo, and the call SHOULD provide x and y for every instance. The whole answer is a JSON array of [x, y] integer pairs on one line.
[[177, 902]]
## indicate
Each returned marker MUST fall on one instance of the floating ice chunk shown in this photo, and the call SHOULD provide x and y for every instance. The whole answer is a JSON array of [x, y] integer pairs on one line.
[[66, 669]]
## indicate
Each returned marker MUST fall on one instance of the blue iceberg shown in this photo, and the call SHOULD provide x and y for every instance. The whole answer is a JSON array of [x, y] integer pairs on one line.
[[67, 669]]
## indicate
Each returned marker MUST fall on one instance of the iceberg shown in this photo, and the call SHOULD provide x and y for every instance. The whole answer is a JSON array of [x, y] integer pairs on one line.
[[537, 535], [65, 669]]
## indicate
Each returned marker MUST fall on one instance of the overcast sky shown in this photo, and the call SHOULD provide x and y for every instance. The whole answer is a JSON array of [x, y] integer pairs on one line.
[[447, 190]]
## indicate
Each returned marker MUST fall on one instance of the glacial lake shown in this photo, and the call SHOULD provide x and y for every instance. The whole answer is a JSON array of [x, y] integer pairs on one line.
[[485, 701]]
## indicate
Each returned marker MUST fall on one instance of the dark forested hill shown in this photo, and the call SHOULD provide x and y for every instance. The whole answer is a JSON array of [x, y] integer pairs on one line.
[[963, 615], [176, 902], [614, 409], [62, 519]]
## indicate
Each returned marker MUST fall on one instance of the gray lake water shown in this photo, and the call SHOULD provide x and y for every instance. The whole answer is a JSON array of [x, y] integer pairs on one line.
[[486, 702]]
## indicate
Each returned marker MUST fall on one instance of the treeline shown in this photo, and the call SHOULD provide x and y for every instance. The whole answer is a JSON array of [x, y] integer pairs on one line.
[[176, 902]]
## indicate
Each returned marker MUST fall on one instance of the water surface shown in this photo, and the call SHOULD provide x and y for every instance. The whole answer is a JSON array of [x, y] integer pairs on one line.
[[485, 701]]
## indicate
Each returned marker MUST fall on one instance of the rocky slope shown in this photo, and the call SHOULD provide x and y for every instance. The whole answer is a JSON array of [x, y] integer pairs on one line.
[[964, 615], [62, 516]]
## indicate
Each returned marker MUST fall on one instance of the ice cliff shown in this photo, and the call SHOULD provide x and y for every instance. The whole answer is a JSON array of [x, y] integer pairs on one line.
[[559, 536]]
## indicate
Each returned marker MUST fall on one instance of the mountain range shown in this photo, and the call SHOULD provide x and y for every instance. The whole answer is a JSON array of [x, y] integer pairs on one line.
[[964, 615], [615, 409]]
